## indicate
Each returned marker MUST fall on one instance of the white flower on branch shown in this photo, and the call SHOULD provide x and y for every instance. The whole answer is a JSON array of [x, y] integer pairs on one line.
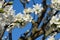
[[19, 21], [55, 1], [19, 17], [37, 8], [55, 4], [7, 18], [23, 17], [27, 17], [56, 20], [27, 10]]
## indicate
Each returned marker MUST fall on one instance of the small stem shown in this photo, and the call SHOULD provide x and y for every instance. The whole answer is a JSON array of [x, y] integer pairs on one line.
[[10, 36]]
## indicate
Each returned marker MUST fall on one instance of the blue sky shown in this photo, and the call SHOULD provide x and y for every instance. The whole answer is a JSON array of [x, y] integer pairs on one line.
[[17, 32]]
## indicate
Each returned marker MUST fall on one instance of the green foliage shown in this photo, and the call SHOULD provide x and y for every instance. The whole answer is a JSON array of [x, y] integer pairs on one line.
[[1, 10]]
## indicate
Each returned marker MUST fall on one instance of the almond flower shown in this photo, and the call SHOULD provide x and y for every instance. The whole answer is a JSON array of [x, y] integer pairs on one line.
[[23, 17], [55, 4], [18, 17], [56, 20], [9, 16], [6, 18], [37, 8], [27, 17], [19, 20], [27, 10]]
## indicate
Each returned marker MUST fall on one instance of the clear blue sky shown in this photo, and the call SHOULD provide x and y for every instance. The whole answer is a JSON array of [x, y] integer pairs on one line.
[[17, 32]]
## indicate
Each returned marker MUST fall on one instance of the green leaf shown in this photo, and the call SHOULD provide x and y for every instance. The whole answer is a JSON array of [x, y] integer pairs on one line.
[[1, 10]]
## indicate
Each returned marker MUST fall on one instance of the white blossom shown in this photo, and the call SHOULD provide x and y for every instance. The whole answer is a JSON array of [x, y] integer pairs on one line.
[[54, 1], [27, 17], [37, 8], [27, 10], [55, 4], [18, 17], [23, 17], [7, 18], [56, 20]]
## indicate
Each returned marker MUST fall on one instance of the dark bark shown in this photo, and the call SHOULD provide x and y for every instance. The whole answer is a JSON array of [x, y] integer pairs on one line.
[[10, 35], [3, 31]]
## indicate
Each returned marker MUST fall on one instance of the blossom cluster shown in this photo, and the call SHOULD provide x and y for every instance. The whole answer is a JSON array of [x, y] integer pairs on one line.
[[36, 9], [55, 4], [9, 17], [55, 20]]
